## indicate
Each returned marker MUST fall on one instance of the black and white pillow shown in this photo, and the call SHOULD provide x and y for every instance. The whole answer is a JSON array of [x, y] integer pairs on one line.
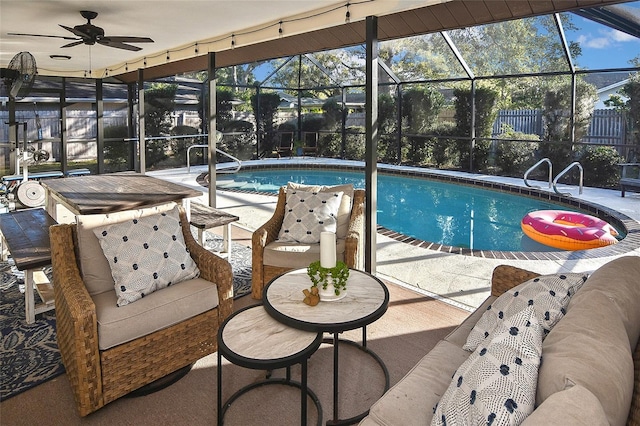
[[497, 383], [146, 254], [307, 214], [549, 295]]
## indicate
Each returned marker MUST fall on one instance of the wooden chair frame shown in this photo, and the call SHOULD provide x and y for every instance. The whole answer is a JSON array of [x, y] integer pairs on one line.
[[261, 274]]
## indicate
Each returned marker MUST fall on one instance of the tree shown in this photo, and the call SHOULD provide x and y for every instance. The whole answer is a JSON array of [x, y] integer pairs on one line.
[[631, 107], [159, 104], [265, 107], [557, 120], [485, 103]]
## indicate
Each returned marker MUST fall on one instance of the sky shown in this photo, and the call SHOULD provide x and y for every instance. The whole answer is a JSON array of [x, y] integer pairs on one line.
[[604, 47]]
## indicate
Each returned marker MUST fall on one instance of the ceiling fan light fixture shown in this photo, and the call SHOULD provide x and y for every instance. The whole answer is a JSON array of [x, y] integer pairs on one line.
[[60, 57]]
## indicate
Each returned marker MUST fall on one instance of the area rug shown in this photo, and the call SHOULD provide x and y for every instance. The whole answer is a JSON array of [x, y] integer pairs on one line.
[[29, 353], [240, 263]]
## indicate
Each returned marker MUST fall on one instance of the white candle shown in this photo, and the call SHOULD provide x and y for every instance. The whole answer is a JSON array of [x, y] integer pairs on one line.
[[327, 249]]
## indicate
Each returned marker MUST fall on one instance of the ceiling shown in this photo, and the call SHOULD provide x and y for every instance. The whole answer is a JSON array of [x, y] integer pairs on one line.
[[239, 31]]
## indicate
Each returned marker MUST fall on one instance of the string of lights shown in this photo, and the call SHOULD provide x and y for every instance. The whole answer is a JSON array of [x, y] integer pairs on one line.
[[201, 46]]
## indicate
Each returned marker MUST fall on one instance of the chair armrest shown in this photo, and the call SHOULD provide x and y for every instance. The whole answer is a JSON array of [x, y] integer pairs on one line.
[[506, 277], [354, 241], [212, 268], [262, 236], [76, 322]]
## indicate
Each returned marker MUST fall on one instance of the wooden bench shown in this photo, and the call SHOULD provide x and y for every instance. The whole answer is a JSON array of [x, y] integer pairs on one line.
[[26, 233], [629, 184], [205, 217]]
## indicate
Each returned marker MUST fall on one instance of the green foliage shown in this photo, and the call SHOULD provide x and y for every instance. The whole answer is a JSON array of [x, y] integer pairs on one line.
[[265, 107], [557, 118], [601, 166], [515, 157], [240, 145], [420, 108], [355, 143], [632, 91], [443, 149], [320, 275], [312, 123], [178, 146], [116, 150], [332, 111], [485, 102], [159, 104], [330, 145]]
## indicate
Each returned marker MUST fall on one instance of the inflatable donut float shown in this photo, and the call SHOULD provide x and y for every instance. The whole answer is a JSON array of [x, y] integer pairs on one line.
[[568, 230]]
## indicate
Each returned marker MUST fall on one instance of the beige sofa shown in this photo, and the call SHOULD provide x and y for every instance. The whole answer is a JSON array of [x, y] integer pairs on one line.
[[590, 359]]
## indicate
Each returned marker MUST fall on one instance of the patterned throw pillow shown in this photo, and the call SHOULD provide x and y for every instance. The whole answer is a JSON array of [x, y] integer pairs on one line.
[[307, 214], [549, 295], [497, 383], [146, 254]]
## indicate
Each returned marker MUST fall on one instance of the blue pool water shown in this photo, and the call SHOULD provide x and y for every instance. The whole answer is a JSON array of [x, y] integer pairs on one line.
[[440, 212]]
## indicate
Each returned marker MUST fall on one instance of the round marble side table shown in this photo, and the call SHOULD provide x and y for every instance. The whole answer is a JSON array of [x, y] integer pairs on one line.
[[366, 300], [251, 338]]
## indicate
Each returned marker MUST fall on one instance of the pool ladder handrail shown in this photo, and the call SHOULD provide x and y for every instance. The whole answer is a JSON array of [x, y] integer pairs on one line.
[[535, 166], [566, 170], [224, 168]]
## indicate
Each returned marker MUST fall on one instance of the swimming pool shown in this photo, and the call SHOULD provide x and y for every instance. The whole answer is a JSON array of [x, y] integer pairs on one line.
[[428, 210]]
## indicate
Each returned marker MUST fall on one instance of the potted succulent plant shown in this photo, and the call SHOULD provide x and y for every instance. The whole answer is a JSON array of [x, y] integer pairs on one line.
[[331, 282]]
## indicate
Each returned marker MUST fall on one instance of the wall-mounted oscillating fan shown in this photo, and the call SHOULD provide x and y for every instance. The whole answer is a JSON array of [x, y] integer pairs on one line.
[[19, 75]]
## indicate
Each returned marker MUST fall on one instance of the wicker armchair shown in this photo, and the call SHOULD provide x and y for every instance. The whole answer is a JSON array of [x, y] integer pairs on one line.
[[97, 376], [262, 273]]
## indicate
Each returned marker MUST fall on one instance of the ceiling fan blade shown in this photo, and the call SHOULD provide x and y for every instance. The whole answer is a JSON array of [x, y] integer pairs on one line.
[[75, 43], [76, 32], [42, 35], [119, 45], [127, 39]]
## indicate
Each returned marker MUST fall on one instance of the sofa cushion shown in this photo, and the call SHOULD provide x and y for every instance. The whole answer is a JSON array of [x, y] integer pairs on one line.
[[575, 406], [146, 254], [460, 334], [94, 266], [549, 295], [162, 309], [297, 255], [410, 401], [497, 383], [590, 348], [307, 214], [346, 204], [618, 280]]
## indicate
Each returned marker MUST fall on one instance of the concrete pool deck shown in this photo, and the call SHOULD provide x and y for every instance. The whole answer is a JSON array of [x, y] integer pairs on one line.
[[462, 280]]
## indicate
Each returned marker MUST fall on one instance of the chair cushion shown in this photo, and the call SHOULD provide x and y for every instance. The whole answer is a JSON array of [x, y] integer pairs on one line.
[[497, 383], [346, 204], [162, 309], [94, 266], [307, 214], [549, 295], [296, 255], [146, 254]]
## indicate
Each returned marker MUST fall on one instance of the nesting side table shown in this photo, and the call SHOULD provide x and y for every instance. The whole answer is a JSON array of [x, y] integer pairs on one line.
[[252, 339]]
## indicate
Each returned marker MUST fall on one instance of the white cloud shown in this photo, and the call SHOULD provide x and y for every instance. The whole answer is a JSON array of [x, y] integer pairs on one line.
[[622, 37], [605, 40], [594, 42]]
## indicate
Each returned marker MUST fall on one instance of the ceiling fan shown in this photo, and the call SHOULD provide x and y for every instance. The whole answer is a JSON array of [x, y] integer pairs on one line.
[[90, 34]]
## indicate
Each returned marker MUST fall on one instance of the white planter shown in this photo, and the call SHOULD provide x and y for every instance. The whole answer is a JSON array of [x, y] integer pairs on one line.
[[329, 294]]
